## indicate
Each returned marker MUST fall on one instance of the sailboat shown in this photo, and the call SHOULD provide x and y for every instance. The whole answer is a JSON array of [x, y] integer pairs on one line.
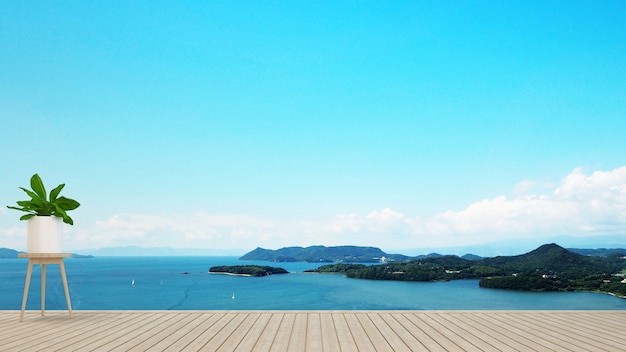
[[233, 295], [133, 283]]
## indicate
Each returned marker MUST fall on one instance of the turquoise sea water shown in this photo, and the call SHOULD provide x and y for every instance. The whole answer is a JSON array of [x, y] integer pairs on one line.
[[164, 283]]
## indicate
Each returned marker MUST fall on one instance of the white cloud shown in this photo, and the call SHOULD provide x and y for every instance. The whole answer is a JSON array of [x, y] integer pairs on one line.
[[199, 229], [579, 205], [524, 187], [386, 215]]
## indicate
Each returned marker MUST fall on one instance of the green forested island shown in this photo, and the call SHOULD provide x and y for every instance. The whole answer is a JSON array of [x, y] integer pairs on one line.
[[247, 270], [322, 254], [547, 268]]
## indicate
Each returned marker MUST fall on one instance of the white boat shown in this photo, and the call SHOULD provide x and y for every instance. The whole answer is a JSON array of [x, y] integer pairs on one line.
[[133, 282], [233, 295]]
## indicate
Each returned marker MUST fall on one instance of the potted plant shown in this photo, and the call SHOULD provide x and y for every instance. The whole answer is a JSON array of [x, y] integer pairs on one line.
[[44, 231]]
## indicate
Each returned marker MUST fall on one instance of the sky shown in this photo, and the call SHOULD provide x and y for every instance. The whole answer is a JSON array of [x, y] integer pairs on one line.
[[241, 124]]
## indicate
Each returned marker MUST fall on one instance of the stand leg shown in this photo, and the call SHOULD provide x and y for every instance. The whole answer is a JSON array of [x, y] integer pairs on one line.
[[26, 287], [43, 288], [67, 291]]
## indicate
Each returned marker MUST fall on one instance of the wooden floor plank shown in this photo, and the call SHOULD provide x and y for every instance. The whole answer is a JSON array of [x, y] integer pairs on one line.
[[574, 334], [179, 331], [222, 335], [126, 339], [315, 331], [161, 336], [548, 340], [330, 342], [116, 325], [193, 332], [412, 324], [283, 334], [593, 329], [267, 337], [206, 333], [297, 339], [361, 338], [518, 340], [456, 337], [254, 334], [373, 332], [344, 335], [408, 339], [468, 331], [144, 338], [44, 335], [567, 338], [240, 333], [395, 342], [497, 335], [599, 320], [83, 335], [43, 330], [422, 321]]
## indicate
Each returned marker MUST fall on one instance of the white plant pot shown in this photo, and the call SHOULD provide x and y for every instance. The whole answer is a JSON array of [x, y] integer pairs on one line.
[[44, 234]]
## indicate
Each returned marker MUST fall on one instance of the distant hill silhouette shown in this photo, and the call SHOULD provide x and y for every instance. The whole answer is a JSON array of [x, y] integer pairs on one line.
[[8, 253], [322, 254], [599, 252]]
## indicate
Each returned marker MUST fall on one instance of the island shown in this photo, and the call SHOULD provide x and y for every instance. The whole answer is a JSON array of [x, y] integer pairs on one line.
[[323, 254], [547, 268], [247, 270]]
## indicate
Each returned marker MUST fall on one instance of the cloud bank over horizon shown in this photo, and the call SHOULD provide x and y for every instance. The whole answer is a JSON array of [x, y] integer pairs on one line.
[[580, 205]]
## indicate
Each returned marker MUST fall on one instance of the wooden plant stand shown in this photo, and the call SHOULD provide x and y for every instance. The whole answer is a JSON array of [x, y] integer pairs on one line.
[[44, 259]]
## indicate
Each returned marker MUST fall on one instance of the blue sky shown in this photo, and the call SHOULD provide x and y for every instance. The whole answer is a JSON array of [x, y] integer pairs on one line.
[[237, 124]]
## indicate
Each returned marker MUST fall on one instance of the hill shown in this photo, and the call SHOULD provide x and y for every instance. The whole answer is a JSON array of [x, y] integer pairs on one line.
[[547, 268], [8, 253], [322, 254], [553, 259]]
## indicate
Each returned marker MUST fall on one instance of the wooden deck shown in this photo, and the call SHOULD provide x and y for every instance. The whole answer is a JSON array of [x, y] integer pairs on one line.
[[314, 331]]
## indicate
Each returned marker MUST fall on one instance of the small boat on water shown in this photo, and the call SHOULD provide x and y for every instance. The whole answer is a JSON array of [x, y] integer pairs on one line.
[[133, 282], [233, 297]]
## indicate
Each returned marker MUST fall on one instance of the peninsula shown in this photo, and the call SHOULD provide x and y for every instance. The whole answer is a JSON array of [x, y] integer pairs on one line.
[[547, 268]]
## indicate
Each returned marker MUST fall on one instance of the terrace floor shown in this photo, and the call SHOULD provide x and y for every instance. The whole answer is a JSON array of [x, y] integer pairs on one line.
[[314, 331]]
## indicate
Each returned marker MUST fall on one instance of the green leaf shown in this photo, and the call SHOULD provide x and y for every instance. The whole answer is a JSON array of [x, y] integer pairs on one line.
[[62, 214], [33, 195], [67, 203], [68, 220], [27, 204], [55, 192], [20, 209], [27, 216], [37, 185]]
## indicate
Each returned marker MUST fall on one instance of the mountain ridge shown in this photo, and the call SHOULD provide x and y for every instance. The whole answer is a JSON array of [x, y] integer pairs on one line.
[[322, 254]]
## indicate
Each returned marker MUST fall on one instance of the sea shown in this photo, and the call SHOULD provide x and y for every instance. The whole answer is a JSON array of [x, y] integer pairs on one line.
[[183, 283]]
